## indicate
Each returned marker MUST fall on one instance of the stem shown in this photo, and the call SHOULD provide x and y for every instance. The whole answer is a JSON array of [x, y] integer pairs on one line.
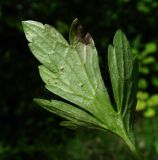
[[132, 147], [124, 135]]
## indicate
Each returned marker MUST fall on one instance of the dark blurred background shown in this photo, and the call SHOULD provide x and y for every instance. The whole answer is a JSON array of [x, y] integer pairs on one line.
[[27, 132]]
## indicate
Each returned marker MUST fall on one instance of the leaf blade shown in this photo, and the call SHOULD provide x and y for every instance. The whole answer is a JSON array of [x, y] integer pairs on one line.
[[123, 69], [69, 112], [121, 65]]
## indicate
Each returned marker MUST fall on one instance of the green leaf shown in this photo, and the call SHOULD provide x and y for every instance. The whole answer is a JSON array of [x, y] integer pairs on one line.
[[141, 105], [123, 68], [69, 112], [148, 60], [153, 101], [144, 70], [150, 112], [72, 72], [142, 96], [123, 71], [69, 124], [149, 48], [142, 83]]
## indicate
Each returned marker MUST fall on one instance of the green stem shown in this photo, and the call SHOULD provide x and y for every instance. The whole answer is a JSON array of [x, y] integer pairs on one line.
[[130, 143], [132, 147]]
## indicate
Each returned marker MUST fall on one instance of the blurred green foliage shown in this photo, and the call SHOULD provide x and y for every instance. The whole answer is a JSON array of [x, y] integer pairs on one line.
[[147, 101], [148, 104], [27, 131]]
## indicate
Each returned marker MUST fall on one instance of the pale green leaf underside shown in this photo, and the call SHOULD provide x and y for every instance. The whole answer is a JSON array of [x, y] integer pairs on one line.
[[69, 71], [72, 72]]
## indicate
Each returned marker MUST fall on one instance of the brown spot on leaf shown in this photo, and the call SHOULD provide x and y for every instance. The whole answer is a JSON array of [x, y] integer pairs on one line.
[[87, 38], [84, 38]]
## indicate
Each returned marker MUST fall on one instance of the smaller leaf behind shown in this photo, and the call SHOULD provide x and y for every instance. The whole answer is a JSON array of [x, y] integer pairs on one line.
[[123, 68], [121, 64]]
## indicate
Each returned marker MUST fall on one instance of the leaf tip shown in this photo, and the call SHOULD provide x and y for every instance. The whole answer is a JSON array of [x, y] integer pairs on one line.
[[110, 47], [119, 32], [28, 23], [36, 100], [77, 34], [75, 21], [29, 28], [24, 22], [119, 37]]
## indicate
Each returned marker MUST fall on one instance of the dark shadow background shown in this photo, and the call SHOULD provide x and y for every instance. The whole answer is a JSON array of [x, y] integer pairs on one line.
[[31, 133]]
